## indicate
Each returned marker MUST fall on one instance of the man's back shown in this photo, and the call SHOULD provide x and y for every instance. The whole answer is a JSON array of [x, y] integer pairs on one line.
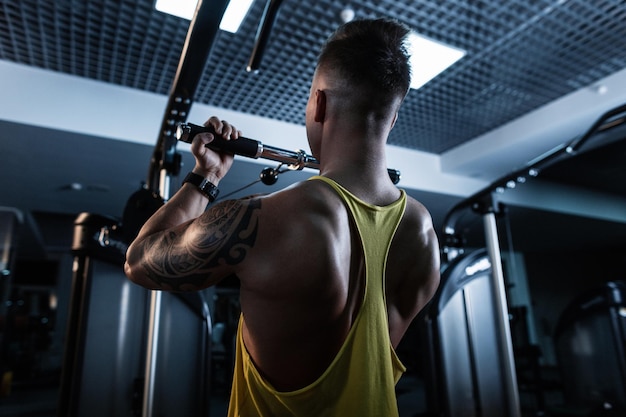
[[316, 293], [306, 273]]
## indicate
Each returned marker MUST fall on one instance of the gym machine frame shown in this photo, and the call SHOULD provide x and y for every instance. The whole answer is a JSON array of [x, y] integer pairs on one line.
[[166, 162], [485, 202]]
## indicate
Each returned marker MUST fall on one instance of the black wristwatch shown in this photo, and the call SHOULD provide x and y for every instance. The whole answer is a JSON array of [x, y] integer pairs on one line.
[[205, 186]]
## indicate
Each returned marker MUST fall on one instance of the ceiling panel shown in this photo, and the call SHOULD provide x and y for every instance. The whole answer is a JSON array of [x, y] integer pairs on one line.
[[521, 55]]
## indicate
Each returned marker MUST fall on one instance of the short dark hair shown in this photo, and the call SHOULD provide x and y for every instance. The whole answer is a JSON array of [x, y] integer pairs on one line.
[[372, 54]]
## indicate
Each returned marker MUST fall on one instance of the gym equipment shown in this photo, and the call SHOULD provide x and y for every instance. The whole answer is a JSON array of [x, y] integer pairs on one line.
[[465, 359], [255, 149], [165, 163], [11, 220], [590, 341], [505, 401], [103, 370], [485, 203]]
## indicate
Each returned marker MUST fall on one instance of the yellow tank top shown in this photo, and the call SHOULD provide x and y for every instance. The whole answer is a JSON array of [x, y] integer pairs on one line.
[[360, 381]]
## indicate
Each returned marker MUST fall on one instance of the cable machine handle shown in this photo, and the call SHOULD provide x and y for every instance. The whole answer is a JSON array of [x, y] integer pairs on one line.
[[255, 149]]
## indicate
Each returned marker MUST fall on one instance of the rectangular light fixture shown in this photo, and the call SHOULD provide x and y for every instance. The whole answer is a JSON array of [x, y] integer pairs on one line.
[[233, 16], [429, 58]]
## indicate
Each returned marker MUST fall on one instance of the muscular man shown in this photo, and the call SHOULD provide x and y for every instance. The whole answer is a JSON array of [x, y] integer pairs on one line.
[[333, 269]]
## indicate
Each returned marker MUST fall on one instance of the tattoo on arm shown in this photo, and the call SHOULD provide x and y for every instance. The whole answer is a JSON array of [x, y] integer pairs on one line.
[[196, 254]]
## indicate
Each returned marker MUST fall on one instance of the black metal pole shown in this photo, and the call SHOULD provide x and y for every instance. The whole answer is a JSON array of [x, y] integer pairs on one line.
[[165, 161], [263, 33], [201, 36]]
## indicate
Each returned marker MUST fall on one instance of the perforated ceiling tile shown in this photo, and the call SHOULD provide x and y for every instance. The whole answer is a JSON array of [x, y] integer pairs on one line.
[[520, 55]]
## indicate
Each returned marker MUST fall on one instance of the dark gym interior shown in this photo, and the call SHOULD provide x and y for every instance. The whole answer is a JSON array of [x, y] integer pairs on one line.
[[527, 129]]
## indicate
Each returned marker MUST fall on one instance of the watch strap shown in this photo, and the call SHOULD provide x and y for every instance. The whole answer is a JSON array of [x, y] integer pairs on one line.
[[205, 186]]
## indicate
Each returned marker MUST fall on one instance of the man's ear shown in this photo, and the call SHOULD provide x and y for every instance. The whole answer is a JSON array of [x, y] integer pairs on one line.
[[320, 106]]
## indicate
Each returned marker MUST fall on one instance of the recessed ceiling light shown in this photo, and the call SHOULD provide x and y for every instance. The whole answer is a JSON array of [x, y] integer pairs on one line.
[[429, 58], [233, 16], [180, 8]]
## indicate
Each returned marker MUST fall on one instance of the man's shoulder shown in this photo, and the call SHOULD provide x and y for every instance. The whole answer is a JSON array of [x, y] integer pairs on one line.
[[305, 209], [304, 196], [417, 223]]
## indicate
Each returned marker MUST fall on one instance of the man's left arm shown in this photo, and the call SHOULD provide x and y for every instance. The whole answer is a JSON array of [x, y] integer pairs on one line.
[[181, 246], [184, 248]]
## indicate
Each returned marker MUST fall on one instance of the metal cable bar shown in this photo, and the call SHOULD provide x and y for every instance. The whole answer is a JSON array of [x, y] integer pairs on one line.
[[255, 149]]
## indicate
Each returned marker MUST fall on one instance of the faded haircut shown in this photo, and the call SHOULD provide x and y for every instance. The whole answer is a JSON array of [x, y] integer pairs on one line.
[[370, 54]]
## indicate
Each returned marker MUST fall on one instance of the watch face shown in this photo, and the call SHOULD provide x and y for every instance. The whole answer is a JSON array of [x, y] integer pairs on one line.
[[209, 189]]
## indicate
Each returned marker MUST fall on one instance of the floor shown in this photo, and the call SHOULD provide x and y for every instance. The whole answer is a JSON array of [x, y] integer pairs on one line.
[[42, 402], [38, 402]]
